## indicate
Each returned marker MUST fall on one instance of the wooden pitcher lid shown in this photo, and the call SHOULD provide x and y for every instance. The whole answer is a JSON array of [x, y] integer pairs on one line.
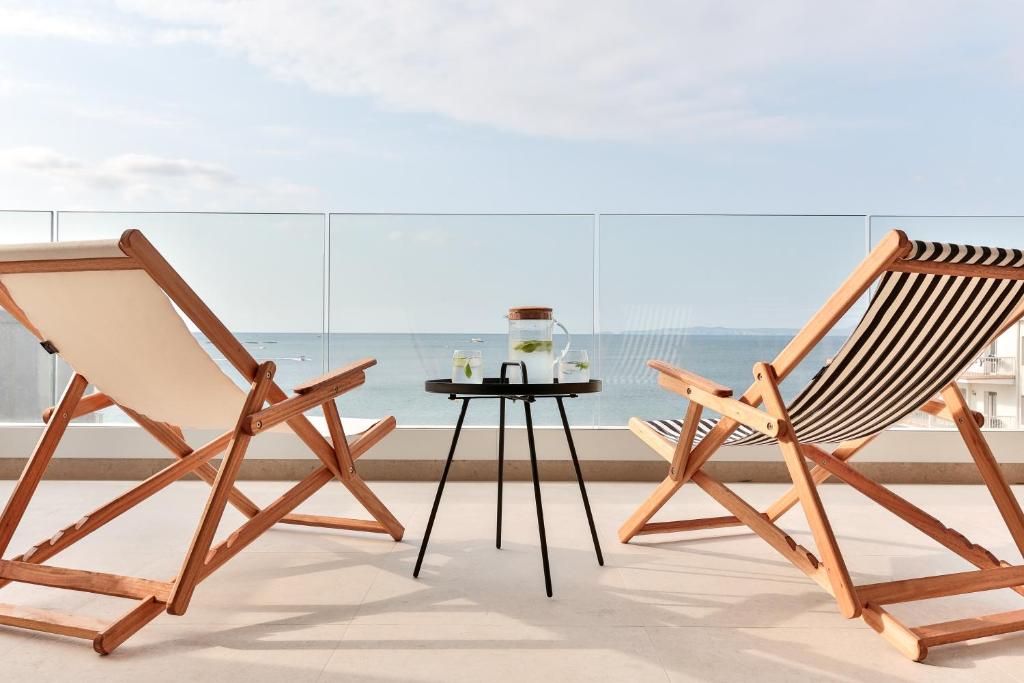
[[530, 313]]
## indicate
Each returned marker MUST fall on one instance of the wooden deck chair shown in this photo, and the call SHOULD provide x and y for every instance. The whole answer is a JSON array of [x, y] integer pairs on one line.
[[106, 308], [935, 308]]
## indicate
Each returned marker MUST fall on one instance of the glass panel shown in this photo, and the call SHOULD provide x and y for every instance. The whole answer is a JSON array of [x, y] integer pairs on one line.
[[26, 371], [261, 274], [991, 384], [411, 289], [714, 294]]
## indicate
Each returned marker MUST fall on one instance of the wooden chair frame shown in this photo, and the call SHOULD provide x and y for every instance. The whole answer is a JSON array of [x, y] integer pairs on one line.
[[152, 597], [866, 601]]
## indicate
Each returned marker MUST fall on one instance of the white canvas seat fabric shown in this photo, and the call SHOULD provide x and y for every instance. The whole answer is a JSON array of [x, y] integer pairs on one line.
[[920, 331], [120, 331]]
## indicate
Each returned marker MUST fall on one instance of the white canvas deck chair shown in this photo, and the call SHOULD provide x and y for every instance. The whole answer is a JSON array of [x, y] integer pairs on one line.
[[936, 307], [106, 308]]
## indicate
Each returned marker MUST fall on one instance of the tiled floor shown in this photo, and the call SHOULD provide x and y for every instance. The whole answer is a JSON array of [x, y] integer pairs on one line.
[[312, 605]]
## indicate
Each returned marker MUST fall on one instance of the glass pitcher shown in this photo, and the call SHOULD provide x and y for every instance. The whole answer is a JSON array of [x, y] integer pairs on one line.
[[530, 340]]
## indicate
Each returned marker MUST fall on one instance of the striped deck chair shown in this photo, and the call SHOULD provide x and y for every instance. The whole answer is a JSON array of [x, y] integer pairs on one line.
[[934, 310], [106, 308]]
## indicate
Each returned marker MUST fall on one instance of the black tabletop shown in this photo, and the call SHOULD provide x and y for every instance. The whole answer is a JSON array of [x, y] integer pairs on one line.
[[494, 386]]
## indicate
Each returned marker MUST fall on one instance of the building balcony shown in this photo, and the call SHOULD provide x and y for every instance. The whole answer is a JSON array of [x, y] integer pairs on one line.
[[991, 369]]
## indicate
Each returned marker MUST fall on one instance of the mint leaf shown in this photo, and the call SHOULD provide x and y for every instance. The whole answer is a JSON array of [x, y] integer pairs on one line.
[[469, 370], [532, 345]]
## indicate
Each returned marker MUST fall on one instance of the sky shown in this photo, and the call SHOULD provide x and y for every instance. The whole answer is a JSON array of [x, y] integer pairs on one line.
[[790, 106], [571, 108]]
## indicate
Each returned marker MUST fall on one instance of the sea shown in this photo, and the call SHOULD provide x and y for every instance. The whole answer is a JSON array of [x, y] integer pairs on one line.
[[404, 361]]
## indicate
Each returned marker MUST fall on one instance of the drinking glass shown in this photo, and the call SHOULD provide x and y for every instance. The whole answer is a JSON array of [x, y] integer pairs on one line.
[[468, 367], [574, 367]]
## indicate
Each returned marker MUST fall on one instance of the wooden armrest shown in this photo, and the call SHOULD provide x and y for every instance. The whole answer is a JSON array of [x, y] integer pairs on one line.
[[293, 406], [313, 393], [335, 375], [938, 408], [690, 378], [729, 407]]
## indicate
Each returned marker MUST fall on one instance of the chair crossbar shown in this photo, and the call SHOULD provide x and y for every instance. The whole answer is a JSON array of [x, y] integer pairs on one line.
[[80, 580], [942, 585], [960, 630], [689, 525], [49, 621], [327, 522], [105, 636]]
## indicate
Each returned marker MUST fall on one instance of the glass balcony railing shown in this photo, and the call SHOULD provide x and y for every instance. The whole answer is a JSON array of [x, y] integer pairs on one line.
[[262, 275], [713, 293], [411, 289], [26, 370]]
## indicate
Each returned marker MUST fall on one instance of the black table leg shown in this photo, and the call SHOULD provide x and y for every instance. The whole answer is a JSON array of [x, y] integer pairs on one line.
[[501, 466], [536, 495], [579, 478], [440, 487]]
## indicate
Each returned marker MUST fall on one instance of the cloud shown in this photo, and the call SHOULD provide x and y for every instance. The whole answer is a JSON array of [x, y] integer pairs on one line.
[[15, 86], [127, 116], [25, 22], [147, 166], [121, 170], [579, 69], [39, 159], [143, 180]]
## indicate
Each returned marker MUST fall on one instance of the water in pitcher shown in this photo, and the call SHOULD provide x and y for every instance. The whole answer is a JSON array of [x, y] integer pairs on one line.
[[538, 354]]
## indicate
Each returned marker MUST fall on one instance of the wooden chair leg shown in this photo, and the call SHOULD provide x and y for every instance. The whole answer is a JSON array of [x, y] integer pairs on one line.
[[666, 489], [681, 456], [339, 441], [37, 464], [1005, 501], [907, 511], [374, 506], [128, 625], [190, 572], [352, 481], [824, 538], [893, 630], [676, 476]]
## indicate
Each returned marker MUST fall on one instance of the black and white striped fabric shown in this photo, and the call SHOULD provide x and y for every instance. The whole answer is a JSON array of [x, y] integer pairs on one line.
[[920, 331]]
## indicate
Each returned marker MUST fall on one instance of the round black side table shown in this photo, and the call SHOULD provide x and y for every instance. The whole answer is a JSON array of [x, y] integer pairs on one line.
[[503, 390]]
